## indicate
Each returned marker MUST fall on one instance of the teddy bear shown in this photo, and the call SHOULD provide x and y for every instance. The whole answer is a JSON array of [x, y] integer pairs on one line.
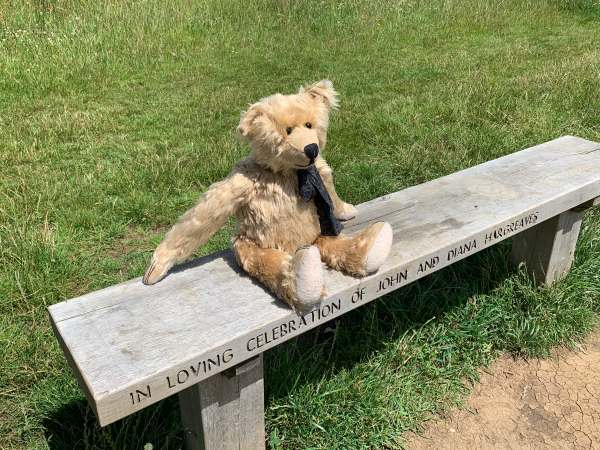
[[283, 197]]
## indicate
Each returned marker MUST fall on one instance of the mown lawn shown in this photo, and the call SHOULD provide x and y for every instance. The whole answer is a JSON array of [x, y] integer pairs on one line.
[[115, 116]]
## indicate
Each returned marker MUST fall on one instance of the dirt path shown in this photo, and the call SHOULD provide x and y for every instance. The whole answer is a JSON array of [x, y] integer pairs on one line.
[[536, 404]]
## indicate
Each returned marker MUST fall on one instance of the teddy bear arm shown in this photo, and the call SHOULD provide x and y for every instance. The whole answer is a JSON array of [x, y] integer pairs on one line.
[[341, 209], [198, 224]]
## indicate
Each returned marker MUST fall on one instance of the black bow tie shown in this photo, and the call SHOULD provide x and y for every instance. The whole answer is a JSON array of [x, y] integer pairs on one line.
[[311, 187]]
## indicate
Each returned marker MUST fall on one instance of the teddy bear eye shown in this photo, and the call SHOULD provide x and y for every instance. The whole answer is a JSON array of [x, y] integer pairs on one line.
[[288, 130], [308, 125]]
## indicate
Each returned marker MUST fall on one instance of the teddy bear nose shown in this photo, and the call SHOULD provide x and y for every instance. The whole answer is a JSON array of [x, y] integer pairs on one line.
[[311, 150]]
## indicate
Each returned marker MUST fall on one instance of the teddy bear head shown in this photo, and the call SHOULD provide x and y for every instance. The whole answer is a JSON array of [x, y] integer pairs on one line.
[[288, 131]]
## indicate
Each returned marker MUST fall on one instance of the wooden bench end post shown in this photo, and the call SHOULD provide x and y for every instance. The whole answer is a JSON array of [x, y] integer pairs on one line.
[[226, 411], [548, 249]]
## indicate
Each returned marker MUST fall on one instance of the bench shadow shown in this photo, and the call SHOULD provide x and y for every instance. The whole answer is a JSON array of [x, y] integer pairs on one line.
[[227, 255], [66, 426], [346, 341], [74, 426]]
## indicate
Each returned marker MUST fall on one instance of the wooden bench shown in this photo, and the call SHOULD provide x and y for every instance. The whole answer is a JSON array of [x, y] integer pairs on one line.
[[202, 331]]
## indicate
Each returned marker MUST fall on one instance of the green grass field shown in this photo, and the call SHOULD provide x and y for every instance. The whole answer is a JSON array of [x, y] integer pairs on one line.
[[115, 116]]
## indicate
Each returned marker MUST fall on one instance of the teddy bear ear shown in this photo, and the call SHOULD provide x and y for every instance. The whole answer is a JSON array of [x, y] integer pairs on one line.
[[324, 91], [246, 125]]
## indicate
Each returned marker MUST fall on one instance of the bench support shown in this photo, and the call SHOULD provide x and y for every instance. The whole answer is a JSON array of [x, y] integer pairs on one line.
[[548, 249], [226, 411]]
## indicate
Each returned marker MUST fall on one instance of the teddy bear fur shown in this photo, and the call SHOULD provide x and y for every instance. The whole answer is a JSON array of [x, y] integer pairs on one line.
[[278, 240]]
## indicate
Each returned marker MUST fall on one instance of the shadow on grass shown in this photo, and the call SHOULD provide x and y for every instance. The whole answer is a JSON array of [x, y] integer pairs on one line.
[[68, 426], [302, 360], [74, 426], [352, 338]]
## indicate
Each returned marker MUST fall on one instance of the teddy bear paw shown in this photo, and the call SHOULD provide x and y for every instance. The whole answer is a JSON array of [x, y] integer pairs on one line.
[[308, 273], [347, 212], [157, 270], [380, 248]]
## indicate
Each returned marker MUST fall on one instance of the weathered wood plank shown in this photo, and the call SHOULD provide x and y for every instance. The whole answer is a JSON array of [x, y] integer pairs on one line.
[[134, 345], [226, 411]]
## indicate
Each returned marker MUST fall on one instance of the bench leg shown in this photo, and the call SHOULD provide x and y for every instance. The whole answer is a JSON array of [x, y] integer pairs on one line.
[[548, 249], [226, 411]]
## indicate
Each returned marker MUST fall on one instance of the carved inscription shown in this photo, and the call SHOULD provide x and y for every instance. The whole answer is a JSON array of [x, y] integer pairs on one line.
[[272, 335], [140, 396], [512, 227], [204, 366], [429, 264], [325, 310], [462, 249], [392, 280], [358, 295]]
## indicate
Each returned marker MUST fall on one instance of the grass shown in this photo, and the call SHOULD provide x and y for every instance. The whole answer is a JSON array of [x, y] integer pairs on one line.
[[115, 116]]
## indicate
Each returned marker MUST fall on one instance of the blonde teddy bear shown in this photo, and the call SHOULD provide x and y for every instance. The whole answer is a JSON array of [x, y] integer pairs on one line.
[[285, 203]]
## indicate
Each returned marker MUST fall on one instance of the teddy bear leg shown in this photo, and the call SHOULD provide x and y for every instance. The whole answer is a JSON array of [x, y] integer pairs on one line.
[[297, 279], [360, 254]]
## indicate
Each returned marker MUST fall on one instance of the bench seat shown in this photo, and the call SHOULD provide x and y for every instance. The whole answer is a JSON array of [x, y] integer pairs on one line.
[[131, 345]]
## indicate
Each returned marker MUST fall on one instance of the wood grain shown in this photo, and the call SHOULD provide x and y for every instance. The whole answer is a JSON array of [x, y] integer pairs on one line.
[[133, 345], [226, 411]]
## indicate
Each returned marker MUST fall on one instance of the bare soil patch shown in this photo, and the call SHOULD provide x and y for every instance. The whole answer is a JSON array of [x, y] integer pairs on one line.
[[527, 404]]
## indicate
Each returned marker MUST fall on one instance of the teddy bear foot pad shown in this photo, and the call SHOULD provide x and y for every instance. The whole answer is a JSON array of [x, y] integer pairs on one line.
[[308, 272], [380, 249]]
